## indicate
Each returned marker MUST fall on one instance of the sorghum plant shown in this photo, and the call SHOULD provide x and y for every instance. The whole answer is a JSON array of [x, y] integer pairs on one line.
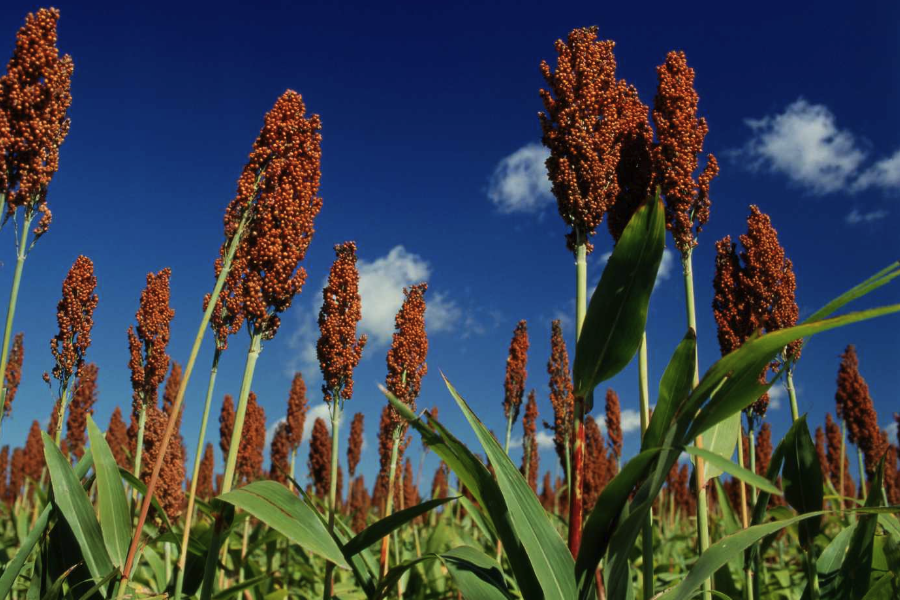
[[514, 383], [82, 405]]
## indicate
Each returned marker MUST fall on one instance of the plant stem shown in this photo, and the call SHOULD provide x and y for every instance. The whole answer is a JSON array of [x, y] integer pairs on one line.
[[186, 377], [241, 412], [576, 479], [332, 491], [862, 475], [244, 540], [11, 307], [189, 514], [389, 503], [509, 424], [647, 535], [293, 464], [61, 413], [792, 394], [139, 447], [702, 500], [745, 520]]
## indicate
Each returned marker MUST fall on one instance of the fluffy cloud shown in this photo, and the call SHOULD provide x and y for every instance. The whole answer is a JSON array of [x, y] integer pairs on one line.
[[805, 144], [630, 421], [891, 430], [381, 283], [545, 439], [855, 217], [776, 395], [519, 183], [665, 266]]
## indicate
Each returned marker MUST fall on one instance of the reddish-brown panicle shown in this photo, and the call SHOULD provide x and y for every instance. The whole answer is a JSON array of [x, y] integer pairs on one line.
[[440, 483], [248, 467], [33, 460], [279, 453], [410, 491], [205, 474], [34, 100], [16, 474], [320, 458], [170, 485], [338, 348], [148, 342], [614, 422], [386, 428], [4, 471], [296, 412], [358, 504], [833, 453], [75, 317], [279, 184], [680, 134], [855, 407], [117, 438], [14, 371], [53, 423], [406, 364], [530, 457], [820, 452], [82, 405], [354, 447], [581, 129], [226, 424], [516, 373], [763, 449], [561, 396], [595, 467]]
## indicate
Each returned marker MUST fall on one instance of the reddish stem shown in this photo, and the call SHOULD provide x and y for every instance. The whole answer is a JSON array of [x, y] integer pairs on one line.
[[576, 500]]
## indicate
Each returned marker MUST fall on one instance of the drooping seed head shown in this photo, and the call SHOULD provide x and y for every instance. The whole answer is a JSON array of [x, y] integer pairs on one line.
[[516, 373], [681, 135], [279, 184], [338, 349], [296, 412], [34, 101], [82, 405], [75, 317], [14, 371], [406, 364], [354, 447]]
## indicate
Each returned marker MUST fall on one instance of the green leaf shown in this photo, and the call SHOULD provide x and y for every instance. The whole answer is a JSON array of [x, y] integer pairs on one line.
[[856, 571], [886, 588], [374, 532], [56, 588], [234, 590], [476, 575], [141, 488], [478, 480], [721, 440], [802, 479], [76, 508], [730, 521], [603, 519], [722, 552], [8, 578], [829, 562], [872, 283], [115, 519], [673, 387], [735, 470], [617, 315], [277, 507], [549, 557]]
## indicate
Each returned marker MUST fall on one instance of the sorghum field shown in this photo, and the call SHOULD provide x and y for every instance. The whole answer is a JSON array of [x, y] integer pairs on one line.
[[712, 505]]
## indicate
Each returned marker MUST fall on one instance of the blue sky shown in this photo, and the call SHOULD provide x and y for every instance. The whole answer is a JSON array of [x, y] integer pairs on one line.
[[430, 163]]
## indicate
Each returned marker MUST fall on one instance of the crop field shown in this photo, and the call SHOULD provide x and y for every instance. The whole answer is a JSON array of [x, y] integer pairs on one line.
[[707, 503]]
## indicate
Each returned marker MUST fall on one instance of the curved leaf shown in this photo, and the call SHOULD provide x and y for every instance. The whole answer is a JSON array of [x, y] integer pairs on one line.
[[115, 519], [735, 470], [675, 385], [802, 479], [550, 559], [721, 440], [477, 575], [617, 315], [374, 532], [277, 507], [76, 509]]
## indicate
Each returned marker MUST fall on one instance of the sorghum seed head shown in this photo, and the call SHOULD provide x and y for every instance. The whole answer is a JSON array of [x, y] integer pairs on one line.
[[14, 371], [82, 405], [148, 342], [75, 316], [516, 373], [354, 447], [614, 422], [406, 364], [117, 438], [320, 458], [279, 453], [561, 395], [296, 412]]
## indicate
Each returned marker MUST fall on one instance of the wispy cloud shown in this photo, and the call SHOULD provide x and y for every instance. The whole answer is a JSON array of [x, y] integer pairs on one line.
[[665, 266], [519, 183], [805, 144], [855, 217], [544, 440]]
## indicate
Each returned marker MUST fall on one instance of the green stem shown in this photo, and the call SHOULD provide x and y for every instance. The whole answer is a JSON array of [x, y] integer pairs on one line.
[[792, 394], [702, 500], [61, 413], [241, 412], [13, 300], [509, 424], [189, 514], [332, 490], [389, 503], [293, 464], [862, 475], [139, 448], [244, 541], [745, 519], [647, 535], [575, 478]]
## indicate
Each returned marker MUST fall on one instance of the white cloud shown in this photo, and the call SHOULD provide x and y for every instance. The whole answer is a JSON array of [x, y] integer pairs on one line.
[[544, 440], [515, 442], [631, 420], [270, 431], [883, 174], [855, 217], [805, 144], [891, 430], [319, 411], [519, 183], [776, 395], [664, 272]]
